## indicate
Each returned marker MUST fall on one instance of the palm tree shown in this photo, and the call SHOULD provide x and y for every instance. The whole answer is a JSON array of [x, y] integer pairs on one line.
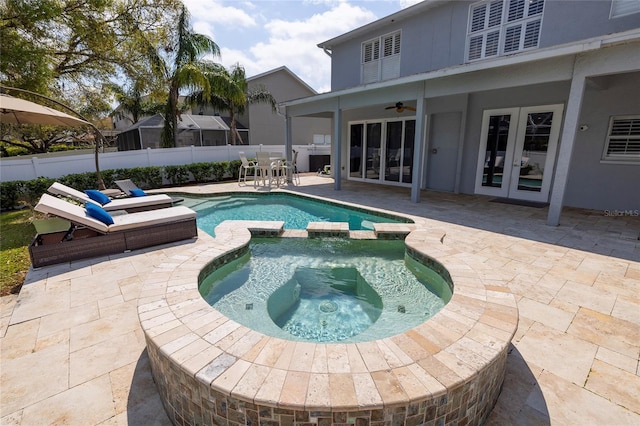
[[133, 105], [230, 92], [187, 70]]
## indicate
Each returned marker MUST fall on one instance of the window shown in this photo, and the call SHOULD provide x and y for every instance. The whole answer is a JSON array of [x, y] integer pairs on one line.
[[500, 27], [624, 7], [623, 139], [381, 58]]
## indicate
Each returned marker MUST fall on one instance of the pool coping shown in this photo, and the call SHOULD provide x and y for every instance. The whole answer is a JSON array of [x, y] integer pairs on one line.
[[186, 336]]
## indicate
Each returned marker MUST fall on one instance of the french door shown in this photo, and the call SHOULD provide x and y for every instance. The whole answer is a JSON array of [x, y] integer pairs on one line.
[[382, 150], [517, 152]]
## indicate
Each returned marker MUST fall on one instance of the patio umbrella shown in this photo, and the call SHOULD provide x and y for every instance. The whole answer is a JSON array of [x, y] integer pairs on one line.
[[20, 111]]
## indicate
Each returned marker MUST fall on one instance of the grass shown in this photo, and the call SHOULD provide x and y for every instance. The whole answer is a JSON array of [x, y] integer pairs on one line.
[[16, 234]]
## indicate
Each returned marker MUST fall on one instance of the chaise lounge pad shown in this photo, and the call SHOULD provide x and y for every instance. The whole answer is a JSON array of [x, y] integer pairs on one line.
[[78, 215]]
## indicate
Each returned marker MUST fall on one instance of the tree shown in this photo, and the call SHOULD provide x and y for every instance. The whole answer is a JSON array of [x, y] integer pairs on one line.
[[231, 92], [133, 104], [69, 49], [187, 70]]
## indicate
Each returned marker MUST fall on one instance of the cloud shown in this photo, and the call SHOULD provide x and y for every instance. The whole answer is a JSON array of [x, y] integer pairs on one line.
[[263, 35], [208, 12], [294, 43]]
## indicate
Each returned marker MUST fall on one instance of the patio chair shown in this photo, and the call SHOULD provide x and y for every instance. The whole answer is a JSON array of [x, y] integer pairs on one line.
[[267, 168], [89, 236], [290, 170], [130, 205], [245, 167]]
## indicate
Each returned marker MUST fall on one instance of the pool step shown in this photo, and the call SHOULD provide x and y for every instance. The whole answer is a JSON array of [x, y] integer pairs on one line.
[[392, 231], [328, 229]]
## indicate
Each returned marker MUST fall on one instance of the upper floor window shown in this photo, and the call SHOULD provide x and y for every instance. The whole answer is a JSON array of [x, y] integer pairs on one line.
[[499, 27], [624, 7], [381, 58], [623, 140]]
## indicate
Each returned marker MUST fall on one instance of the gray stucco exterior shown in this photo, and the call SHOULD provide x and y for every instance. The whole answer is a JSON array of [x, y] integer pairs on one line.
[[585, 67]]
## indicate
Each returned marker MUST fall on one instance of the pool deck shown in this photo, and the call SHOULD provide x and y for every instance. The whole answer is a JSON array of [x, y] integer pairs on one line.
[[72, 349]]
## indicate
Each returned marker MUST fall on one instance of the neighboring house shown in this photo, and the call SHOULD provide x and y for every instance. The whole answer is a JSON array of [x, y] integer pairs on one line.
[[267, 127], [259, 124], [528, 100]]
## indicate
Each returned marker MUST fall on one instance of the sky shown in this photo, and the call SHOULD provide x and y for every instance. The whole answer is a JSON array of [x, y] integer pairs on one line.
[[262, 35]]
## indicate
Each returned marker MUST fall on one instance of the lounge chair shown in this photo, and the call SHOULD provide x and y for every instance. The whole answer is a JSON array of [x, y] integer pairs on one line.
[[130, 205], [129, 188], [90, 237]]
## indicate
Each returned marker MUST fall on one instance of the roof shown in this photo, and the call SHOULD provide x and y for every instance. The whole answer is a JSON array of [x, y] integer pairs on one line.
[[186, 121], [287, 70], [398, 16]]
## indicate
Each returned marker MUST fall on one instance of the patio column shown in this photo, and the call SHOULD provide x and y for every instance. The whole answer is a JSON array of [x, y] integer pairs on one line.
[[418, 148], [288, 141], [566, 149], [336, 168]]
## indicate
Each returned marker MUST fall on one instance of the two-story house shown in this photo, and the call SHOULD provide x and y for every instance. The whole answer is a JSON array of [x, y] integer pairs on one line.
[[534, 100]]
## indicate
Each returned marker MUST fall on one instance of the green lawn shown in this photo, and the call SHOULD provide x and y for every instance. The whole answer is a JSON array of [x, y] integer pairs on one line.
[[16, 233]]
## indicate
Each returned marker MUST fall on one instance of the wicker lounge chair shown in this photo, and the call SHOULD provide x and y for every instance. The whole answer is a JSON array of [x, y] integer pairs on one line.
[[131, 205], [89, 237]]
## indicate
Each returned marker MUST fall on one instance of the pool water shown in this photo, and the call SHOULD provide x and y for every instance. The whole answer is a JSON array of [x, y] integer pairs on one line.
[[345, 287], [296, 212]]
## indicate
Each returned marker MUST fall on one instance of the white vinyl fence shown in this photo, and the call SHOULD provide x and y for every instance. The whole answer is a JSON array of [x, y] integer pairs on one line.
[[54, 166]]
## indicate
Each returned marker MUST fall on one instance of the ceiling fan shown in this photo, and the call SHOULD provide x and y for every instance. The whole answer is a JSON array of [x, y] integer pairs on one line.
[[399, 107]]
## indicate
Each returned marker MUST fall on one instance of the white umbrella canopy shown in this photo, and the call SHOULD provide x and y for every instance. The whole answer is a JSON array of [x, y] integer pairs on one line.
[[19, 111]]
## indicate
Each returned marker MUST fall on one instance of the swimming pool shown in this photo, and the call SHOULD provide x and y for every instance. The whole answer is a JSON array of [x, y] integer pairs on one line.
[[294, 210], [326, 290]]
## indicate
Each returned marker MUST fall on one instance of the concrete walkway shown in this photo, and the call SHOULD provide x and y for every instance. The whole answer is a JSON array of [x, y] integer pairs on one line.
[[72, 351]]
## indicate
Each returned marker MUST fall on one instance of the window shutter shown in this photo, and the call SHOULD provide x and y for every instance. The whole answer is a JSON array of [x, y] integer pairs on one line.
[[535, 7], [396, 44], [531, 34], [516, 10], [512, 39], [624, 138], [493, 42], [495, 13], [388, 46], [624, 7], [367, 54], [376, 50], [478, 17], [475, 47]]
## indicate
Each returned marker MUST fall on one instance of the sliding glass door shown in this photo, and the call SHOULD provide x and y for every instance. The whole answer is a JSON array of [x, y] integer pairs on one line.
[[382, 150]]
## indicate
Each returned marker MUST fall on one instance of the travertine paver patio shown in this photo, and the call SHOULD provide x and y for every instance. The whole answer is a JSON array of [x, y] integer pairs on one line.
[[72, 351]]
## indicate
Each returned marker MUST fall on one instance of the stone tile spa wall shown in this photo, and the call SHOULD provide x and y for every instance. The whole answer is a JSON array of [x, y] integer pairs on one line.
[[212, 370]]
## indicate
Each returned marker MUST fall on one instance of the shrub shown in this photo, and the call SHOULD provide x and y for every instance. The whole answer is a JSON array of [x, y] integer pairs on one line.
[[201, 171], [176, 175], [10, 193], [33, 189], [234, 167], [218, 170]]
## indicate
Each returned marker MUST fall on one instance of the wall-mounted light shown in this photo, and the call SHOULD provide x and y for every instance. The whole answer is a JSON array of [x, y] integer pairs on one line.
[[584, 128]]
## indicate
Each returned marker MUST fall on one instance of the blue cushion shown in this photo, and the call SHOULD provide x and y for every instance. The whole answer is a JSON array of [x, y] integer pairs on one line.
[[98, 196], [137, 192], [99, 213]]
